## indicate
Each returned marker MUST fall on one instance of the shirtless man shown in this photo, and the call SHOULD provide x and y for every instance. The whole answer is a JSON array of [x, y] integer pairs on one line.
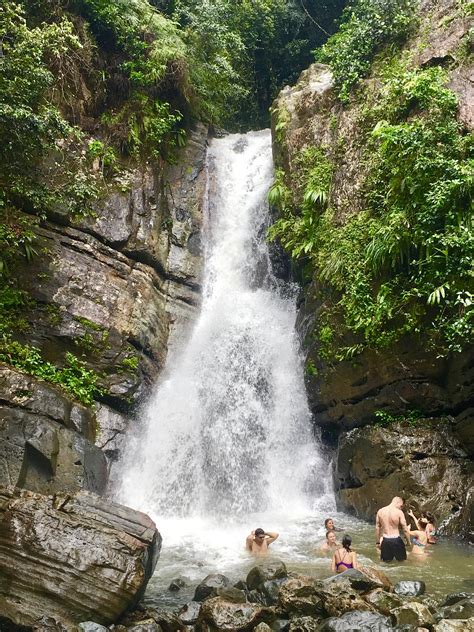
[[259, 540], [390, 520]]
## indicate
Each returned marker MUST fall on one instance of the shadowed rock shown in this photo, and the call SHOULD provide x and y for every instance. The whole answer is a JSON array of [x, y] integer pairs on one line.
[[72, 558]]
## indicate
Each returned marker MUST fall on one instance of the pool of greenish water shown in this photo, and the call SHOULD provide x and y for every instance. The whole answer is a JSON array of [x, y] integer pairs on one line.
[[193, 548]]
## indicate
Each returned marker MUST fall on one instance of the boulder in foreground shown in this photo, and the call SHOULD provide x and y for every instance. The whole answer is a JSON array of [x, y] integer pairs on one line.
[[72, 558]]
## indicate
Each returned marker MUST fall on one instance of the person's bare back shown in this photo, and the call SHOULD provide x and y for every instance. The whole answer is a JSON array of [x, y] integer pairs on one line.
[[390, 521]]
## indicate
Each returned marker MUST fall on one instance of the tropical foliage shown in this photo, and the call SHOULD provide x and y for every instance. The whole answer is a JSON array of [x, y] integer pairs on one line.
[[403, 265]]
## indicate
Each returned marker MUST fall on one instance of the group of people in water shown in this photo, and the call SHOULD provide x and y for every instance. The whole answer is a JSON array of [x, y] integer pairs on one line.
[[390, 527]]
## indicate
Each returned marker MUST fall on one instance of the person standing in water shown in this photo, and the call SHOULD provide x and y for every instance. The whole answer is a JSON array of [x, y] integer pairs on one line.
[[426, 523], [344, 558], [259, 540], [389, 522]]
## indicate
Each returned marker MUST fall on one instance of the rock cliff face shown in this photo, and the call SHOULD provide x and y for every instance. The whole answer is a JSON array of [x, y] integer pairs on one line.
[[407, 376], [113, 288]]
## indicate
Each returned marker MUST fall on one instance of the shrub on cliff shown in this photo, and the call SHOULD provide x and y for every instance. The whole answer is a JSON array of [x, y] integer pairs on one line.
[[366, 26], [403, 264]]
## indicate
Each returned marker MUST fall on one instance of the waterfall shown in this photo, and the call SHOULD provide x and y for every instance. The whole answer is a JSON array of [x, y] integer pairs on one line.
[[228, 430]]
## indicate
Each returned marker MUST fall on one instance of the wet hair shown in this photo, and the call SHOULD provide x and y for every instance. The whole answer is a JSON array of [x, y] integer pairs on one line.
[[346, 542], [326, 522], [259, 531], [429, 516], [328, 532]]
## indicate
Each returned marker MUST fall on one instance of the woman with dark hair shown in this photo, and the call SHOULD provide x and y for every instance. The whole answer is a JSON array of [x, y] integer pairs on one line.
[[427, 524], [344, 558]]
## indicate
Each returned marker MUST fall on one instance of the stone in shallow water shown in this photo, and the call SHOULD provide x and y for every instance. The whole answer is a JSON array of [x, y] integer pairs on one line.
[[190, 612], [148, 625], [209, 585], [177, 584], [383, 601], [463, 609], [229, 617], [90, 626], [454, 625], [409, 588], [299, 595], [413, 613], [339, 597], [265, 572], [357, 621], [361, 580], [453, 598]]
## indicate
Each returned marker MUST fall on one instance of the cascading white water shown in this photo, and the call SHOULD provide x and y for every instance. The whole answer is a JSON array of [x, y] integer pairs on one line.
[[226, 442], [228, 429]]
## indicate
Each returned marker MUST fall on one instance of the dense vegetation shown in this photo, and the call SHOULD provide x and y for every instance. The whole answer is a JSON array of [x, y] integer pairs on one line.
[[402, 264], [89, 87]]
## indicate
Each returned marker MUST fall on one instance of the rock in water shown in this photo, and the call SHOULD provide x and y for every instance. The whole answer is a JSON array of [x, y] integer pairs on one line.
[[85, 559], [455, 625], [231, 617], [209, 585], [463, 609], [409, 588], [300, 596], [413, 613], [304, 624], [265, 572], [360, 621]]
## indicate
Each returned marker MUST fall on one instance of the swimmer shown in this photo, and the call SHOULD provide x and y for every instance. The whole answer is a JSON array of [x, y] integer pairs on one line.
[[419, 539], [329, 525], [259, 540], [344, 558], [428, 525], [330, 545]]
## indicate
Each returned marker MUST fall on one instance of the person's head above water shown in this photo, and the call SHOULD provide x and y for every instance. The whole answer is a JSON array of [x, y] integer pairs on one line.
[[331, 537], [346, 542], [259, 534], [329, 524]]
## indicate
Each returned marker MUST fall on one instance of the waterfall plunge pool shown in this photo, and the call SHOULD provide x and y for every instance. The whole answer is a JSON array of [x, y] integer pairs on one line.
[[194, 548], [227, 432]]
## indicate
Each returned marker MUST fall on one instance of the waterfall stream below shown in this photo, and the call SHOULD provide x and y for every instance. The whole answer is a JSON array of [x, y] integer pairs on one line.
[[225, 444]]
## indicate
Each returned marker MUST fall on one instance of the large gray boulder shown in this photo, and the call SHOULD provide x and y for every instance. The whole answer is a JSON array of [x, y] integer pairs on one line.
[[71, 558], [425, 464]]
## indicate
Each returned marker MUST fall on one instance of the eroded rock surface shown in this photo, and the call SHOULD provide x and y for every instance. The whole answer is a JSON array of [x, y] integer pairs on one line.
[[46, 440], [425, 463], [71, 558]]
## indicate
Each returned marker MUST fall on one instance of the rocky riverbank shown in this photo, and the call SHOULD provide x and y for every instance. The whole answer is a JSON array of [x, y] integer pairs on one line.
[[271, 599]]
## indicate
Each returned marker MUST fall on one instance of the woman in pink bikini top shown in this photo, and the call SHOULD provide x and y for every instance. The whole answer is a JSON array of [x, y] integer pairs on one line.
[[344, 558]]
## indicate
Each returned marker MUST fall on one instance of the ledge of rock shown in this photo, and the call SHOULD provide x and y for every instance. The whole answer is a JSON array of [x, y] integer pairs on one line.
[[424, 463], [46, 439], [71, 558]]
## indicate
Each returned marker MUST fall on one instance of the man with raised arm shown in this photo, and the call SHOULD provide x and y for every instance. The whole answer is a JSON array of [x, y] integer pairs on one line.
[[389, 523], [259, 540]]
